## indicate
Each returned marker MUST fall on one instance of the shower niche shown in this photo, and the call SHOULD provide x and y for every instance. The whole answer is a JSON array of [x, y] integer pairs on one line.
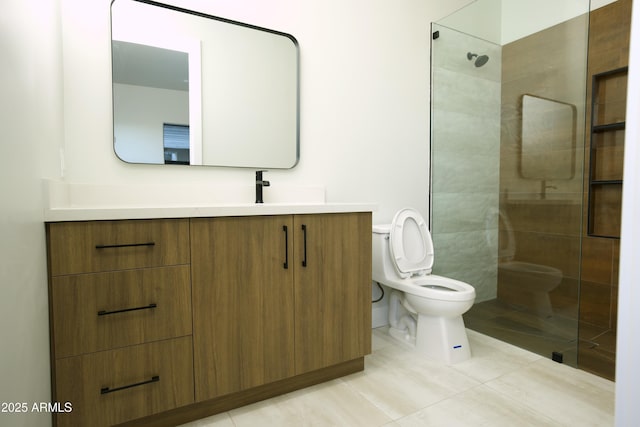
[[608, 110]]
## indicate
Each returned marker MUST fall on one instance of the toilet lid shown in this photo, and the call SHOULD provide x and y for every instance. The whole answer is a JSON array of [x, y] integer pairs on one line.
[[410, 243]]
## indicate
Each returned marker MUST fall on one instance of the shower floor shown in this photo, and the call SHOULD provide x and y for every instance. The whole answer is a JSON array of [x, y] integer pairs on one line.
[[543, 335]]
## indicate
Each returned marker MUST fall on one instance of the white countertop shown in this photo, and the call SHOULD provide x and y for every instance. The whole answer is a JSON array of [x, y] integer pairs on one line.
[[149, 212], [87, 202]]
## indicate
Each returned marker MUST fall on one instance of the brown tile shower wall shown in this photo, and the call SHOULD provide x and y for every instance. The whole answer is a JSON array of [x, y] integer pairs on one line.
[[608, 50], [550, 224], [545, 216]]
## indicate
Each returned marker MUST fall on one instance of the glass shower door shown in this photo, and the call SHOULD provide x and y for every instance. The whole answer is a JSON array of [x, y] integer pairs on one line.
[[507, 155]]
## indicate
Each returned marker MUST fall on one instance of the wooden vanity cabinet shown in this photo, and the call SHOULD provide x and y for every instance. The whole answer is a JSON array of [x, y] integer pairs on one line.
[[120, 318], [159, 322], [278, 296], [94, 246], [110, 387], [332, 289], [243, 303]]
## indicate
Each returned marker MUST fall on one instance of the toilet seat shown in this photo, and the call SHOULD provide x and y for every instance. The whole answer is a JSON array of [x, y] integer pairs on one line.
[[410, 244]]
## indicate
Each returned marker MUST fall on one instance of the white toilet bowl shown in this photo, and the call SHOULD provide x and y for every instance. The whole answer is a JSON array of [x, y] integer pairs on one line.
[[430, 316]]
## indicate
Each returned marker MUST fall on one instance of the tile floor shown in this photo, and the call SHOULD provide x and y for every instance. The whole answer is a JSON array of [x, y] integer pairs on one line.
[[501, 385], [527, 329]]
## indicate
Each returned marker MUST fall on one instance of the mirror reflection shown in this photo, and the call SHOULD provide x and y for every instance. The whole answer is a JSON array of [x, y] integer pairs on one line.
[[190, 88], [548, 139]]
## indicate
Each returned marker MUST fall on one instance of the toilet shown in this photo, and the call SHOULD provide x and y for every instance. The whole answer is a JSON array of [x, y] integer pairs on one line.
[[425, 310]]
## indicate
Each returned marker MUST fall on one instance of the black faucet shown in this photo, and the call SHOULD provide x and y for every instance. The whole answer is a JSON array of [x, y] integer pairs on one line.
[[259, 184]]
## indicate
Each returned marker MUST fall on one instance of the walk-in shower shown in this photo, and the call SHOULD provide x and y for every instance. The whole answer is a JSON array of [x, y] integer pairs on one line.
[[507, 155]]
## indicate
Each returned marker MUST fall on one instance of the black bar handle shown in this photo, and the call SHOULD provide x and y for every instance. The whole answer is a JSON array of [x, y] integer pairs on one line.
[[286, 246], [125, 245], [304, 232], [154, 379], [124, 310]]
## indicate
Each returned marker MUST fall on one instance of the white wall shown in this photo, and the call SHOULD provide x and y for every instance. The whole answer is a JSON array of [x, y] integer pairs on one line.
[[504, 21], [31, 117], [519, 19], [364, 131], [482, 18], [597, 4], [141, 113], [364, 98], [628, 345]]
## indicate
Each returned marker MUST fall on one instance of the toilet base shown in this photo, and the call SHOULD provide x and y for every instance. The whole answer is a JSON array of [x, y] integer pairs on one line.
[[403, 336], [443, 339]]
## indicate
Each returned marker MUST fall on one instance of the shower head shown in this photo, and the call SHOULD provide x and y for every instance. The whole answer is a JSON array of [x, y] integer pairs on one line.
[[480, 60]]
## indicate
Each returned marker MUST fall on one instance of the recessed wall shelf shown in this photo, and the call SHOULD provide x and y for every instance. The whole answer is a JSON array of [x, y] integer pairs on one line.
[[608, 110]]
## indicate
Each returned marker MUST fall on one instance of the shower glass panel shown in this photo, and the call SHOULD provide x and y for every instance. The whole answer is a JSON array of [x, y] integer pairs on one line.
[[506, 212]]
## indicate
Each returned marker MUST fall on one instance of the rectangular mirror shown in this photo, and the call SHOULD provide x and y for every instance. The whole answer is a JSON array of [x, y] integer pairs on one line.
[[190, 88], [548, 139]]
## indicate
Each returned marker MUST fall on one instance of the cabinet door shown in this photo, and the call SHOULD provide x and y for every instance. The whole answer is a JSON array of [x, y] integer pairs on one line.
[[332, 289], [242, 303]]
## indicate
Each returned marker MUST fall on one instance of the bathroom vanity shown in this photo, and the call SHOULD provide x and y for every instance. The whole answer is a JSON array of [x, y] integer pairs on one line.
[[163, 315], [164, 318]]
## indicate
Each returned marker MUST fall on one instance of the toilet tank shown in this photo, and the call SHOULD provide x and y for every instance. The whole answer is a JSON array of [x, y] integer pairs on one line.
[[381, 261]]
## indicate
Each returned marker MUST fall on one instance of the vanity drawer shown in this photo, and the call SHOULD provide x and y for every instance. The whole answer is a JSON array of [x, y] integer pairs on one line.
[[93, 246], [100, 311], [112, 387]]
